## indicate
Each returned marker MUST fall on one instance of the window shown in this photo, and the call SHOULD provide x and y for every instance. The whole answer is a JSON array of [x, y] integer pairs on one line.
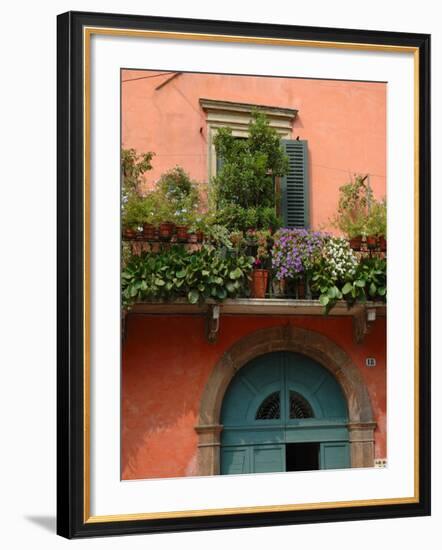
[[270, 408], [299, 407], [293, 188]]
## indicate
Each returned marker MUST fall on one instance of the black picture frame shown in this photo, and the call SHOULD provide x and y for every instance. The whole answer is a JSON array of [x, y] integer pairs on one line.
[[71, 518]]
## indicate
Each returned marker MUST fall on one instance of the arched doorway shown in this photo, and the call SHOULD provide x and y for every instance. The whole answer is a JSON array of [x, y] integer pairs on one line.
[[283, 412], [325, 352]]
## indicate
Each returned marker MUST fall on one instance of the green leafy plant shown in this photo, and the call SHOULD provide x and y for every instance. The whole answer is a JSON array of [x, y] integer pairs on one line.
[[354, 203], [369, 281], [335, 265], [377, 219], [174, 273], [218, 236], [133, 166], [178, 197], [133, 205], [249, 165], [133, 213], [238, 218], [261, 240]]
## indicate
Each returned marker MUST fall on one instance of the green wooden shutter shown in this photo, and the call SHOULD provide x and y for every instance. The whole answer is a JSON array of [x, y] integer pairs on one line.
[[294, 186]]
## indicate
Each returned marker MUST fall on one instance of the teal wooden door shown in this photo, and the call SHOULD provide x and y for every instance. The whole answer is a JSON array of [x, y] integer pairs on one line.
[[282, 399]]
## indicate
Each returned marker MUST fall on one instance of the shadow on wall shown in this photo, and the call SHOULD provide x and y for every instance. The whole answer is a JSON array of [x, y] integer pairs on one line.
[[48, 523]]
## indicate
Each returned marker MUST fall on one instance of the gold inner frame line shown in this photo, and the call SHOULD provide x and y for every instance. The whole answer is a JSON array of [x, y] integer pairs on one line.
[[87, 33]]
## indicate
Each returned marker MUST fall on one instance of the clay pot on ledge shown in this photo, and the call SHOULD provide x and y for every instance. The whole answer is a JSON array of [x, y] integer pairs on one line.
[[149, 231], [279, 287], [300, 290], [258, 284], [356, 242], [166, 231], [129, 233], [182, 233], [371, 242], [192, 238], [382, 244]]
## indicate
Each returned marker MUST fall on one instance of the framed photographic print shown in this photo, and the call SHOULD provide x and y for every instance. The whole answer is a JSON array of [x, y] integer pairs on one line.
[[234, 347]]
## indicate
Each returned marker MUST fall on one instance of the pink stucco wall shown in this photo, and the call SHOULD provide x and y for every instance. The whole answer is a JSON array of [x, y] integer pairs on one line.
[[343, 121]]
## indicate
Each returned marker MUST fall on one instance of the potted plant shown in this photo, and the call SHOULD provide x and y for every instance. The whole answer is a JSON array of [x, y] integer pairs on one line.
[[133, 167], [150, 215], [260, 273], [371, 240], [132, 215], [357, 231], [201, 221], [379, 212], [293, 255], [336, 264], [377, 225], [181, 195], [166, 226], [353, 210], [182, 222]]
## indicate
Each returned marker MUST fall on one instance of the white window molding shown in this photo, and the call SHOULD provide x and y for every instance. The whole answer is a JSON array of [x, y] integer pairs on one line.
[[237, 116]]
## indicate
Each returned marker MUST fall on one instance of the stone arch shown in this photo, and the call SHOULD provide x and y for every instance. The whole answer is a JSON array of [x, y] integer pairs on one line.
[[361, 423]]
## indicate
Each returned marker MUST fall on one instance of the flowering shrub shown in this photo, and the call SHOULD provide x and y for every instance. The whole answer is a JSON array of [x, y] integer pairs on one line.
[[260, 239], [295, 250], [340, 262], [333, 267]]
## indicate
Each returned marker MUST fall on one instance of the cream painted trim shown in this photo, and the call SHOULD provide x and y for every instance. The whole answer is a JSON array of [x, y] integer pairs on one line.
[[237, 116]]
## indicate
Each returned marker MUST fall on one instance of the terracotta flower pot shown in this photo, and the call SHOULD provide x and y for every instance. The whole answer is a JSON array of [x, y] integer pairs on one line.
[[279, 287], [372, 242], [383, 244], [166, 231], [258, 286], [300, 290], [129, 233], [356, 242], [182, 233], [149, 231]]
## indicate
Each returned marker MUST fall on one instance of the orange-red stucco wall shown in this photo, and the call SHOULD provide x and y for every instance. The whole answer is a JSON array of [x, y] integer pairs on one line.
[[343, 121], [167, 362]]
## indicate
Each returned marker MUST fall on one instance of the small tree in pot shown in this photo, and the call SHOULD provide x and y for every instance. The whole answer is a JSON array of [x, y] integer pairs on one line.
[[261, 242], [133, 168], [180, 199], [353, 210], [377, 226], [244, 188]]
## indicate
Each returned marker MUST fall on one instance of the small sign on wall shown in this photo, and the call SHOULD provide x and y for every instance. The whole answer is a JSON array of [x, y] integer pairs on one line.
[[380, 463], [370, 362]]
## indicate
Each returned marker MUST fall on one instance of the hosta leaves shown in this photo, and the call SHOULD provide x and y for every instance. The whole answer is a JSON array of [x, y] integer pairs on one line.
[[347, 288], [236, 273], [193, 296]]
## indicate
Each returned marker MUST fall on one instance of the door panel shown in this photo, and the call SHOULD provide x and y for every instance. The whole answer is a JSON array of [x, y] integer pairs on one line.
[[235, 461], [335, 455], [268, 459], [252, 444]]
